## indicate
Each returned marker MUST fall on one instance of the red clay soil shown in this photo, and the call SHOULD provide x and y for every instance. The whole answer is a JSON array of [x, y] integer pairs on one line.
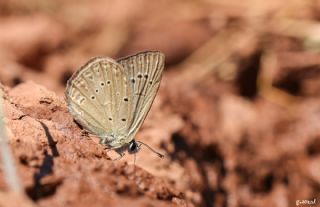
[[60, 165], [237, 114]]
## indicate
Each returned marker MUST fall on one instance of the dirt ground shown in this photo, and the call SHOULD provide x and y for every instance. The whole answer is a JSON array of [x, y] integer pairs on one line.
[[237, 114]]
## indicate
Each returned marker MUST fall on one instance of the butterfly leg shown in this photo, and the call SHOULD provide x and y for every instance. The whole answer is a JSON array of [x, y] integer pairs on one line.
[[84, 133], [104, 141], [117, 158], [121, 154]]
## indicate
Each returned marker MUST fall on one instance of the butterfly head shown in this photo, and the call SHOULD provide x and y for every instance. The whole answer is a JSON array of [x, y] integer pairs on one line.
[[133, 147]]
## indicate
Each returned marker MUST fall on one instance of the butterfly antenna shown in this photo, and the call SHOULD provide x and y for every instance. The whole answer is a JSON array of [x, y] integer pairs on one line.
[[157, 153]]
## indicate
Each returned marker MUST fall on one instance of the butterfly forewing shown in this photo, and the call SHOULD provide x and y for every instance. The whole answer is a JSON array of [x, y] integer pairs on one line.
[[97, 96], [144, 71]]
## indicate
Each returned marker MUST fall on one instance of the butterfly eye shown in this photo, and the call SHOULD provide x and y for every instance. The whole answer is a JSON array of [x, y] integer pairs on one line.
[[133, 147]]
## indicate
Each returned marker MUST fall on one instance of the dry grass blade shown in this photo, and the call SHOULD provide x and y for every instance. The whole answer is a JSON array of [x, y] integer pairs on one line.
[[9, 166]]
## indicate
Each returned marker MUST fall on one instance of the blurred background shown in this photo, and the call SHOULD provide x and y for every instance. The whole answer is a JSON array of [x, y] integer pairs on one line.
[[241, 87]]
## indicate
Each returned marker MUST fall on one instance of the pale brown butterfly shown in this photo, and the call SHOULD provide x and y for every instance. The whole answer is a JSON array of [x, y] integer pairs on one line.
[[111, 99]]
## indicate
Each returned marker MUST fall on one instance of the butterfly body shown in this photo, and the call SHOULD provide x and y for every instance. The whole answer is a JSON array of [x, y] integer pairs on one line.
[[112, 98]]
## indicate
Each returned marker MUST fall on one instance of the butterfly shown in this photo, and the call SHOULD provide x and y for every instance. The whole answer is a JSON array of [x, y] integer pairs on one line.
[[111, 98]]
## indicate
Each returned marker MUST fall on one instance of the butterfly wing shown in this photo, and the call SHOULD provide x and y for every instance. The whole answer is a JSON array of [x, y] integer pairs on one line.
[[144, 72], [97, 97]]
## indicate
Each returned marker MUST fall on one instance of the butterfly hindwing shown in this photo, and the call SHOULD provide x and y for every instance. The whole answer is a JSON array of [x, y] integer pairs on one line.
[[96, 95]]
